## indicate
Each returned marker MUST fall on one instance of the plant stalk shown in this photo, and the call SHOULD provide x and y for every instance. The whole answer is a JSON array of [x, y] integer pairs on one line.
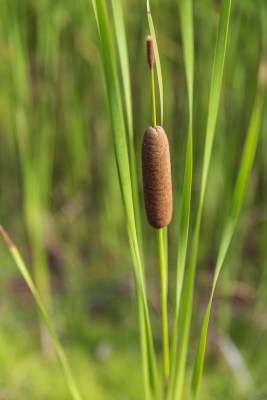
[[164, 297], [153, 101]]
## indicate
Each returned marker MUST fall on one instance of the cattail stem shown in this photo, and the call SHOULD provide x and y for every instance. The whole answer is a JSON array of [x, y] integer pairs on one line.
[[151, 62], [153, 100], [164, 296], [158, 200]]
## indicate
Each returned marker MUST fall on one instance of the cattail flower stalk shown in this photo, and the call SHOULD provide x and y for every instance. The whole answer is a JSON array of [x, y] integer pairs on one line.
[[157, 182], [151, 62]]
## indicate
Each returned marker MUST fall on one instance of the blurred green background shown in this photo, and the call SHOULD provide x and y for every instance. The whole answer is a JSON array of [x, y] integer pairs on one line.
[[60, 199]]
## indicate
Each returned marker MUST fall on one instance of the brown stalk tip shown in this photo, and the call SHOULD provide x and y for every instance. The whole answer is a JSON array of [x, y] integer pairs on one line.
[[148, 7], [150, 51], [7, 239], [157, 180]]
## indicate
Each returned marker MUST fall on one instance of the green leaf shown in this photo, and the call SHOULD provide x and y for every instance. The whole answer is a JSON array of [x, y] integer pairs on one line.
[[125, 69], [157, 59], [122, 160], [186, 18], [186, 307], [239, 192], [45, 316]]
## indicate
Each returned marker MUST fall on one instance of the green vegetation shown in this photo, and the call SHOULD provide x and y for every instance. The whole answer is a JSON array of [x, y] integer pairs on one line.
[[75, 91]]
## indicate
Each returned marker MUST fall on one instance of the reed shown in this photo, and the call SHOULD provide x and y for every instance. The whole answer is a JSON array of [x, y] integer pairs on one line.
[[157, 183]]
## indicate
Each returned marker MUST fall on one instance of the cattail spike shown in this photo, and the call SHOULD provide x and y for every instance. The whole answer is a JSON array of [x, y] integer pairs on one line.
[[150, 51], [157, 181]]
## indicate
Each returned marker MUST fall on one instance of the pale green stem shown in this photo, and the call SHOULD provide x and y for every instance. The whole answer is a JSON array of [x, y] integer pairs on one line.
[[163, 264], [153, 101], [164, 298]]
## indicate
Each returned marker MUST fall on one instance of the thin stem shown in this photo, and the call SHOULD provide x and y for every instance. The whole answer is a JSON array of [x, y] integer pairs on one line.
[[163, 283], [163, 261], [153, 101]]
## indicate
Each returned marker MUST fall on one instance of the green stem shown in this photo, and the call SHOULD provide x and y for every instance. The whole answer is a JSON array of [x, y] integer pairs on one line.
[[163, 264], [164, 294], [153, 101]]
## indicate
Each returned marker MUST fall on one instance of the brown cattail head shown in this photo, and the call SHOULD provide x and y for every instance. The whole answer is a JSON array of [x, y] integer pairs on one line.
[[150, 51], [157, 179]]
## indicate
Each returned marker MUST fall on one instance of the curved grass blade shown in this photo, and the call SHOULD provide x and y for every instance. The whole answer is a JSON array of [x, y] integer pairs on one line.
[[157, 59], [121, 154], [123, 55], [46, 318], [186, 307], [239, 192], [186, 17]]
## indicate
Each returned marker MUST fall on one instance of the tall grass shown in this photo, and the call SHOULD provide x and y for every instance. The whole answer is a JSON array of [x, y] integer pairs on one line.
[[186, 310], [125, 72], [34, 137], [238, 196], [186, 15]]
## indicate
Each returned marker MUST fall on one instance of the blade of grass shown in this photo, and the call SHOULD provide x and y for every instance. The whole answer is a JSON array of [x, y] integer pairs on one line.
[[239, 192], [45, 315], [157, 59], [122, 161], [123, 55], [186, 18], [35, 156], [186, 307]]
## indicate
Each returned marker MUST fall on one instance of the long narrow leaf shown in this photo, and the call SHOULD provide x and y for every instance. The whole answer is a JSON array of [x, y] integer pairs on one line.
[[239, 192], [186, 309], [157, 59], [45, 316], [186, 18], [125, 69], [122, 161]]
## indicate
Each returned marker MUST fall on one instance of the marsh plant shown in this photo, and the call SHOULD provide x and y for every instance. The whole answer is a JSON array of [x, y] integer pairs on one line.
[[166, 380], [157, 191]]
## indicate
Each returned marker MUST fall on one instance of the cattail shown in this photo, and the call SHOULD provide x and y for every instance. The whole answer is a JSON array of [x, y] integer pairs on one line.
[[157, 180], [150, 51]]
